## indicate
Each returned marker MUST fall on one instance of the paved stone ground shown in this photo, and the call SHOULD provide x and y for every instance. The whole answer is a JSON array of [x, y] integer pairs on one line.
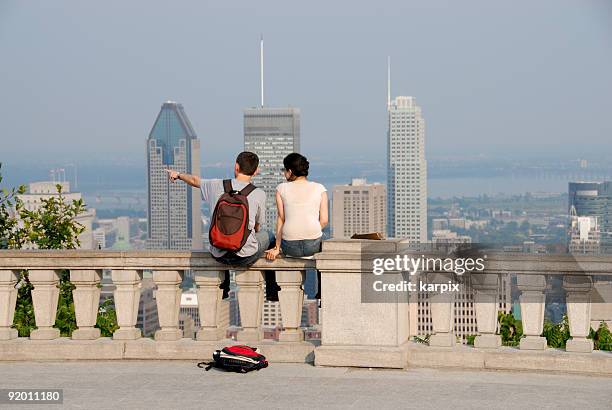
[[181, 385]]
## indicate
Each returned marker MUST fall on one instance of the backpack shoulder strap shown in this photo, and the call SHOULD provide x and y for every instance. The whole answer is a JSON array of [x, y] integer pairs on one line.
[[247, 189], [227, 186]]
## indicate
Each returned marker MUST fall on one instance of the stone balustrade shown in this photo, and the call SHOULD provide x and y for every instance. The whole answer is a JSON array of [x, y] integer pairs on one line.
[[354, 333]]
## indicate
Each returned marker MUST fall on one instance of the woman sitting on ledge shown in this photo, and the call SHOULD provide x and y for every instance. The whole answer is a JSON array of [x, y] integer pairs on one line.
[[302, 213]]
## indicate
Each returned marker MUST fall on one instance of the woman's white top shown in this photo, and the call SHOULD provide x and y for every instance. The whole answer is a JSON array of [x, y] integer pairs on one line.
[[301, 203]]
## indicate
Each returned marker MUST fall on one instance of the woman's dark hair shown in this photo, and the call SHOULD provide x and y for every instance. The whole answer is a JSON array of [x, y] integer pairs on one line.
[[297, 164]]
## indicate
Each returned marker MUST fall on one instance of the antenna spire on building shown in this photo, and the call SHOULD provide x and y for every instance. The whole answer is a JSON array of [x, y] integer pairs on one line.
[[261, 69]]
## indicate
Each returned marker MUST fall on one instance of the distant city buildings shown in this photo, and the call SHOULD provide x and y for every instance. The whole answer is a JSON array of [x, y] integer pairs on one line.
[[39, 191], [113, 233], [594, 199], [271, 133], [174, 220], [583, 234], [445, 236], [99, 238], [358, 208], [406, 171]]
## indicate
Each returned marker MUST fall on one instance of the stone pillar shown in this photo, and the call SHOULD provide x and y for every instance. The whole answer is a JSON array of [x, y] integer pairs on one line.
[[442, 308], [486, 287], [250, 301], [358, 331], [45, 296], [291, 298], [532, 310], [127, 298], [578, 298], [168, 297], [8, 299], [86, 296], [209, 304]]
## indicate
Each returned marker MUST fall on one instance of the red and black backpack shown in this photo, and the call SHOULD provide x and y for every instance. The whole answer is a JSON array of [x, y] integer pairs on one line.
[[229, 227], [239, 358]]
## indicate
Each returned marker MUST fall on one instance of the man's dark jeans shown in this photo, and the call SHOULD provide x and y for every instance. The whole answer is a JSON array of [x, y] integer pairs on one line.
[[265, 240]]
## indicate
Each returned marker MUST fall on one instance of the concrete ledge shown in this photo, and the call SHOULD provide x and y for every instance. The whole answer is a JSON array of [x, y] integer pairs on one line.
[[361, 356], [408, 355], [63, 348], [24, 349], [510, 358], [551, 360], [457, 356]]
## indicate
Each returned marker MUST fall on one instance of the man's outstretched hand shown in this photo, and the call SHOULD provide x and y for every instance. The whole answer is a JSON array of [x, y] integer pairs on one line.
[[173, 175]]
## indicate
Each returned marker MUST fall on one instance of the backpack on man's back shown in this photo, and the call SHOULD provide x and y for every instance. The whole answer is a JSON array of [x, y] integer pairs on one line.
[[229, 226]]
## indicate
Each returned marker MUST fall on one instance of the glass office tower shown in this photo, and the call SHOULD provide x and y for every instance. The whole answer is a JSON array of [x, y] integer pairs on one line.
[[174, 220]]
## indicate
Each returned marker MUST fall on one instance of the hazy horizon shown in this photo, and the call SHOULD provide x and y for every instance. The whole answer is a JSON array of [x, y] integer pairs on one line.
[[85, 81]]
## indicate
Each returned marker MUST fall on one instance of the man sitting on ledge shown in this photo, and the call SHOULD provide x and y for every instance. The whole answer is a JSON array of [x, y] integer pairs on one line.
[[258, 240]]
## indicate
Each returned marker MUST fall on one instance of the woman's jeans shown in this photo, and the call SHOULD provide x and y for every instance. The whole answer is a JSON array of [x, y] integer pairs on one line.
[[301, 248]]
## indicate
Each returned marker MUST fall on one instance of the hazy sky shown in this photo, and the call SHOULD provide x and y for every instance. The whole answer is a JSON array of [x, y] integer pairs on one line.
[[83, 79]]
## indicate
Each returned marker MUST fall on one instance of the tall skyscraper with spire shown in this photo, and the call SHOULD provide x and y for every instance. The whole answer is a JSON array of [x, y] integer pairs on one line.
[[174, 220], [406, 168], [271, 133]]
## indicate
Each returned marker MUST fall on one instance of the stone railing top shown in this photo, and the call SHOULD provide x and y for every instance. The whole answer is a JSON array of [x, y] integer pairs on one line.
[[344, 255], [338, 255], [141, 259]]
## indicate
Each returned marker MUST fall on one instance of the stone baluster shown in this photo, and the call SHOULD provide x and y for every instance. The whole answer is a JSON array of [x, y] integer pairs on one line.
[[86, 296], [291, 298], [45, 297], [578, 298], [127, 298], [532, 310], [250, 301], [486, 287], [8, 299], [210, 305], [442, 308], [168, 298]]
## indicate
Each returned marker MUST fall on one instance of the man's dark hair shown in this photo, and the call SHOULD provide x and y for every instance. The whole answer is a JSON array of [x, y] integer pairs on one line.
[[297, 164], [247, 162]]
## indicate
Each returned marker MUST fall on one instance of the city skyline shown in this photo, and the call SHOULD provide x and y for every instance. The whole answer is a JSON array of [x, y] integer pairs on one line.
[[472, 86]]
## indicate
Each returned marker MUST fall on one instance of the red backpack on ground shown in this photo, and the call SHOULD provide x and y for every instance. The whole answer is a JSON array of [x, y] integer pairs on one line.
[[229, 227], [238, 358]]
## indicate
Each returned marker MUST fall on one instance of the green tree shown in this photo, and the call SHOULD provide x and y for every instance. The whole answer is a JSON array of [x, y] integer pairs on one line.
[[52, 226], [12, 236]]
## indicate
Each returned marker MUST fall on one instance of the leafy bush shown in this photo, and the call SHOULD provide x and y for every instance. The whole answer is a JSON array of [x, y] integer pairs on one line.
[[469, 339], [556, 334], [422, 340], [602, 337], [107, 318], [510, 329]]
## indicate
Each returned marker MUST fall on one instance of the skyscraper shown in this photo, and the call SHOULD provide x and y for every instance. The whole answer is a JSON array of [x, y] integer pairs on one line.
[[406, 169], [174, 209], [358, 208], [271, 133]]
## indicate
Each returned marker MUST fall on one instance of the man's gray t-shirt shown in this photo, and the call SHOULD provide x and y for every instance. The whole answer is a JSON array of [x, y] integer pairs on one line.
[[211, 190]]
